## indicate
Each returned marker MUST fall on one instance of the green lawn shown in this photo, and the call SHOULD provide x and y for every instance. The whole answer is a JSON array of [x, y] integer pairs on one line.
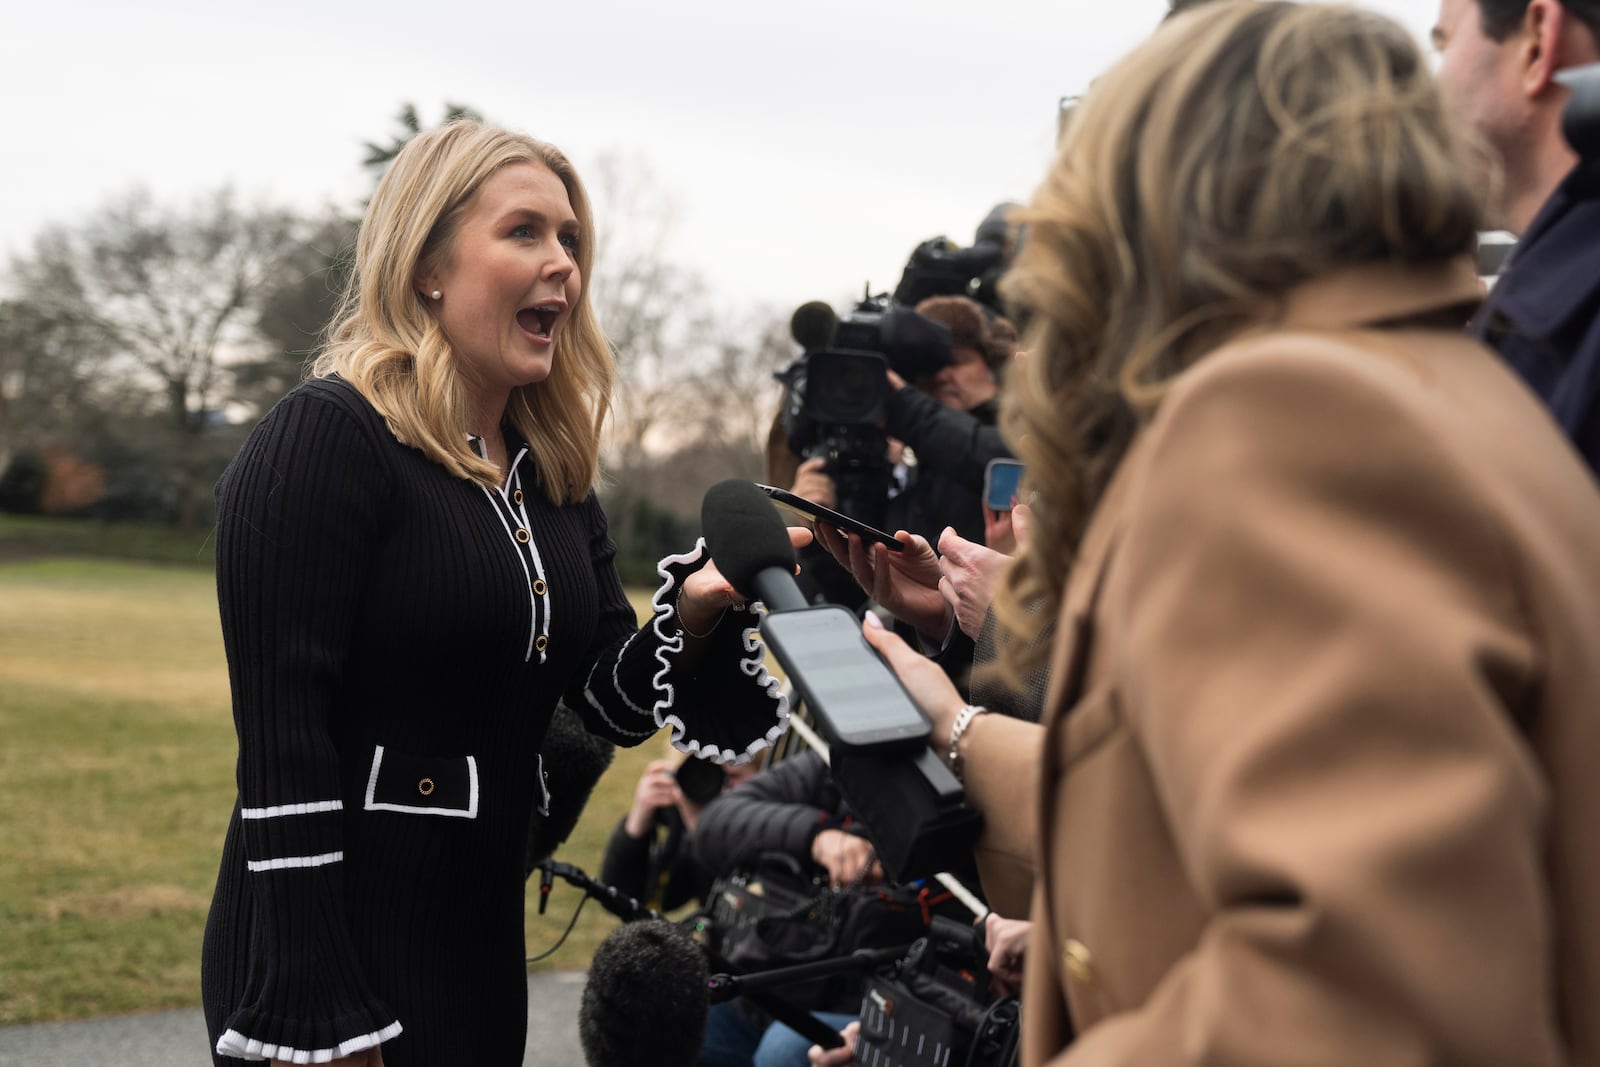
[[116, 781]]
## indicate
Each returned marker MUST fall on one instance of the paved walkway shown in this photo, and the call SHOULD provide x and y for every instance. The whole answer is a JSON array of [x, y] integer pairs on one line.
[[178, 1038]]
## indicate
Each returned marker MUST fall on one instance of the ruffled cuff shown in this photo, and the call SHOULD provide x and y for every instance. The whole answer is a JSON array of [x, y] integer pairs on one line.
[[729, 707], [252, 1035], [233, 1043], [305, 999]]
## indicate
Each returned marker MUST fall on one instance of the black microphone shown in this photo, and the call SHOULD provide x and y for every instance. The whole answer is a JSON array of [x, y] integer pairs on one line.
[[646, 998], [751, 545], [913, 808], [813, 325]]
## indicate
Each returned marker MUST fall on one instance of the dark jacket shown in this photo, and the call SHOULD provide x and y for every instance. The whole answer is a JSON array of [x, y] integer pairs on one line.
[[956, 444], [1543, 315], [779, 810], [657, 869], [953, 448]]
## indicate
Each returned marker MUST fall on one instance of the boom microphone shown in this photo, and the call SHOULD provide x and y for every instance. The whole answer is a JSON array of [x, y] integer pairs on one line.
[[646, 998], [573, 760], [650, 990]]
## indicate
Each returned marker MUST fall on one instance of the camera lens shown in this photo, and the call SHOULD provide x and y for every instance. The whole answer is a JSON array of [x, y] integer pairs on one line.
[[701, 780]]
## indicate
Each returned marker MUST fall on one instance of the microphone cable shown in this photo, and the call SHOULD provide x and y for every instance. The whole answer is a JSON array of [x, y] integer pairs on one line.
[[611, 898]]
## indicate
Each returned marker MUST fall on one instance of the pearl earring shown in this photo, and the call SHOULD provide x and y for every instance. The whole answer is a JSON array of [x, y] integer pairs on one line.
[[436, 294]]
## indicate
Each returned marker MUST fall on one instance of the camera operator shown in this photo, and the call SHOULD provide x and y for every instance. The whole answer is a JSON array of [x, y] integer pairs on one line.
[[947, 418], [794, 809], [648, 856]]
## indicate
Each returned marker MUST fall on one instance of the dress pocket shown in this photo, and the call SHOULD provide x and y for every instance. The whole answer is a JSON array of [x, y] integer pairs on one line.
[[423, 785]]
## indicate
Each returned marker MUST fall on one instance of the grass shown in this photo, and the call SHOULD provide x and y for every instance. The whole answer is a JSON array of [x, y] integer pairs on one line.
[[116, 782]]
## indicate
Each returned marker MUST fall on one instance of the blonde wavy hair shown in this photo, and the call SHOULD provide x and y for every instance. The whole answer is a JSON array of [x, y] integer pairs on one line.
[[1243, 149], [386, 342]]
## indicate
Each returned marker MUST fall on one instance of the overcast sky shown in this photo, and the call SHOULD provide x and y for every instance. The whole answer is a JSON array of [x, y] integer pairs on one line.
[[809, 147]]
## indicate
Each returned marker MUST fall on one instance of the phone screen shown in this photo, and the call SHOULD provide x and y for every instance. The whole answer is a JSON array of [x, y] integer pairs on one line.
[[858, 699], [1001, 484]]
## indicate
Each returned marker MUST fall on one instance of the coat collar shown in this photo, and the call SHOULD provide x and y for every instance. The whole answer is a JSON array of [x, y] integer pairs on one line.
[[1370, 295]]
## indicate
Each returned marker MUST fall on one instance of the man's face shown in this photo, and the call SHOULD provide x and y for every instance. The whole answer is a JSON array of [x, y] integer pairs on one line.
[[1479, 78], [963, 383]]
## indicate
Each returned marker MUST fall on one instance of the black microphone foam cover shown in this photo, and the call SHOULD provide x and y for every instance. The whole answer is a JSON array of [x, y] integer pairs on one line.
[[813, 325], [744, 533], [573, 761], [646, 998]]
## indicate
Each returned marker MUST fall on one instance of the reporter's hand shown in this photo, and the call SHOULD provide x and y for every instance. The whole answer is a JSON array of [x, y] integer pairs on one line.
[[848, 859], [924, 679], [997, 531], [906, 583], [1008, 947], [842, 1056], [657, 789], [706, 594], [969, 575], [1021, 525], [811, 481]]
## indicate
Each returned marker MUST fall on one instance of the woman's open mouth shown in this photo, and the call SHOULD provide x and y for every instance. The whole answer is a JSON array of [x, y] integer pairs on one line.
[[539, 321]]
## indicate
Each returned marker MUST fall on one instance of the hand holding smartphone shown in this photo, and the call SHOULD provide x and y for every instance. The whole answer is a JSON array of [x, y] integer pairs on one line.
[[818, 513], [1002, 481]]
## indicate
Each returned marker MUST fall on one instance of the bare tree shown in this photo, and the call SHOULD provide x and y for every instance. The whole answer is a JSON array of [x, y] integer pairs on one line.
[[167, 297], [294, 310], [735, 398], [43, 369], [656, 315]]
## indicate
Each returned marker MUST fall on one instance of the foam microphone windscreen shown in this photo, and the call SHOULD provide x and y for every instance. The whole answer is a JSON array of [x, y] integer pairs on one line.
[[745, 533], [573, 760], [813, 325], [646, 998]]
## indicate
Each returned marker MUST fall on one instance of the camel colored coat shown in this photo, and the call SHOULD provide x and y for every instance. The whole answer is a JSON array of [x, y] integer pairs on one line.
[[1320, 780]]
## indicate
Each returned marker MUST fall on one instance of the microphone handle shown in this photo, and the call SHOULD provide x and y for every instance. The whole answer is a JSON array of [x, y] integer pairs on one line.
[[777, 589]]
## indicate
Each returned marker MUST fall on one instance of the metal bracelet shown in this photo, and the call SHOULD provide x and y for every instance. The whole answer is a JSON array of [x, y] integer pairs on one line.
[[964, 719]]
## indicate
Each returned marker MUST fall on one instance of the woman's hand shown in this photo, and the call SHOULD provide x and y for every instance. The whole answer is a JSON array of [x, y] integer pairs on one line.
[[842, 1056], [924, 679], [906, 583], [969, 575], [706, 594], [848, 859], [1008, 946]]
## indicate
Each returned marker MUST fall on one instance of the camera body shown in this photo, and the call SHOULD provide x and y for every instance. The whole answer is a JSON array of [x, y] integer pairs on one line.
[[836, 393]]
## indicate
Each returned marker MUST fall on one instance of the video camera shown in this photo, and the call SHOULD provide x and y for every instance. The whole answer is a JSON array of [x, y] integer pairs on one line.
[[940, 267], [836, 392]]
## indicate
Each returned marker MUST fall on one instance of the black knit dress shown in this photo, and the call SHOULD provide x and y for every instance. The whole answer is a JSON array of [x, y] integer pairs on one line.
[[397, 639]]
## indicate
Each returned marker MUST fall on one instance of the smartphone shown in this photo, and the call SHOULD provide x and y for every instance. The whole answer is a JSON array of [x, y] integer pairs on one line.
[[1001, 484], [856, 698], [817, 512]]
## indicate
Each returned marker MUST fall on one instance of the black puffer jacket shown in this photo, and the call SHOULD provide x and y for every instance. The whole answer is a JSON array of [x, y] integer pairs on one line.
[[953, 449], [779, 810]]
